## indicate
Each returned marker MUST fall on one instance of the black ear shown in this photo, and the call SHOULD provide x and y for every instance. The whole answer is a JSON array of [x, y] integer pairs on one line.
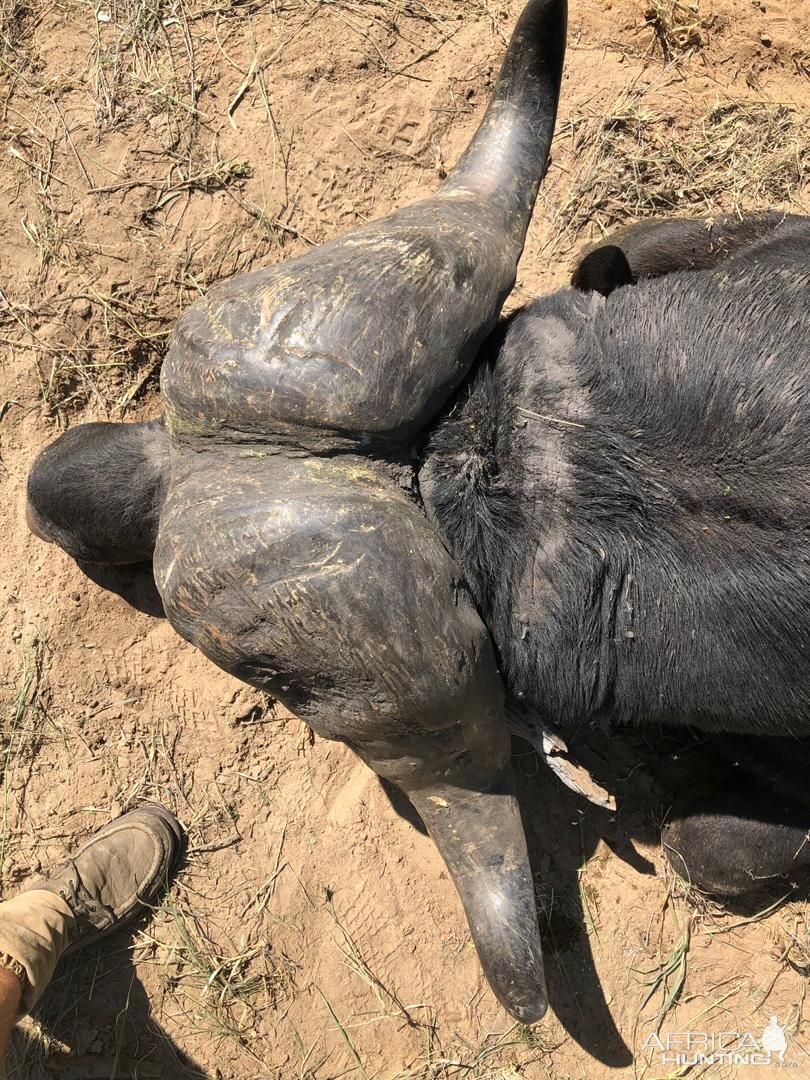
[[602, 270], [96, 491], [736, 839]]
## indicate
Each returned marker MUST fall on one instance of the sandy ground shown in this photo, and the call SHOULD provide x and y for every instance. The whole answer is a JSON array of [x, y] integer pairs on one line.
[[151, 147]]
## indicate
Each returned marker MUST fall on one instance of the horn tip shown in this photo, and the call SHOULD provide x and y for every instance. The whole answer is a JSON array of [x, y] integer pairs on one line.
[[530, 1012], [527, 1003]]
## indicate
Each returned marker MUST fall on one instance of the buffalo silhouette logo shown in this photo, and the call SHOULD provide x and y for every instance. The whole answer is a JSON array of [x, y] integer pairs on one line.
[[774, 1040]]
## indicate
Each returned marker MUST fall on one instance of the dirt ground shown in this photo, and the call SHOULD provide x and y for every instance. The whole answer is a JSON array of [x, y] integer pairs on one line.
[[150, 148]]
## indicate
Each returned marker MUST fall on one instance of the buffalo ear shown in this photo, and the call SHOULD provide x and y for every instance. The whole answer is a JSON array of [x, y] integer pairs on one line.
[[602, 270], [97, 489]]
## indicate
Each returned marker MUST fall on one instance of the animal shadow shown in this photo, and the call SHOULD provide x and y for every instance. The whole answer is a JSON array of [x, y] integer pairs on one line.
[[648, 771], [563, 831], [134, 583]]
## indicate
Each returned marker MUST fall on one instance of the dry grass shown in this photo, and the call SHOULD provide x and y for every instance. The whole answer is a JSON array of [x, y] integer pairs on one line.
[[679, 28], [220, 986], [442, 1055], [635, 161], [733, 1002], [664, 981], [797, 951], [15, 18], [102, 338], [22, 719]]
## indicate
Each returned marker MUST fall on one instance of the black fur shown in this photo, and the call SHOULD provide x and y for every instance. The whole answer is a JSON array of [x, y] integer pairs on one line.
[[602, 270], [626, 485], [737, 841], [96, 491]]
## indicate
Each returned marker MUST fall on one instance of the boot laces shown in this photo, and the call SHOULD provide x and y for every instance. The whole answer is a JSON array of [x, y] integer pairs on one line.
[[85, 908]]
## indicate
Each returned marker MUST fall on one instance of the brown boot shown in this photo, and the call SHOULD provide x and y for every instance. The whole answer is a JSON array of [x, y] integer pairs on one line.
[[110, 880]]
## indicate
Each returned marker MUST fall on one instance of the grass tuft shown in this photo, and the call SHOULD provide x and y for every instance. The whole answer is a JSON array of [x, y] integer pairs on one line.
[[665, 980], [221, 987], [679, 28], [634, 161]]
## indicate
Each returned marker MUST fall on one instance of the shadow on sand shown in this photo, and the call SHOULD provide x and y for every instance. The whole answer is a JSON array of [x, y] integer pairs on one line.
[[98, 1008]]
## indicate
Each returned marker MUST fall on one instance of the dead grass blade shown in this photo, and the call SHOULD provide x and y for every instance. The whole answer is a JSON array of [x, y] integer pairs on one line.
[[634, 161]]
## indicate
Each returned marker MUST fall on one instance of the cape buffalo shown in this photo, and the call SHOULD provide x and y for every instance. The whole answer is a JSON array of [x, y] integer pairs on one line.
[[390, 512]]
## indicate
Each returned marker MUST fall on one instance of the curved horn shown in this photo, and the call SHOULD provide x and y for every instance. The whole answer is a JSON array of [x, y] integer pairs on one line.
[[507, 157], [317, 580], [364, 338], [480, 837], [337, 587]]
